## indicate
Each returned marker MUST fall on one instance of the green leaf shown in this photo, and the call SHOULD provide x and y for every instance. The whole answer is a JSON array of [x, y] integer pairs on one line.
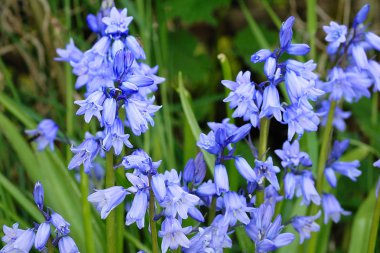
[[192, 11], [361, 227], [195, 129]]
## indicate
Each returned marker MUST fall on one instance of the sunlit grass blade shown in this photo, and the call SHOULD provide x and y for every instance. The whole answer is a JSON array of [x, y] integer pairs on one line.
[[191, 119]]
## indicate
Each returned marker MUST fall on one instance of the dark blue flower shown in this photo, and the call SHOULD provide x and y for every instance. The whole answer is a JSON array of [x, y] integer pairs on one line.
[[45, 134], [38, 195]]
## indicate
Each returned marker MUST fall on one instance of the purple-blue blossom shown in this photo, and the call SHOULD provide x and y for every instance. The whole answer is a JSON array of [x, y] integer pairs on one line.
[[332, 208], [304, 225], [173, 235], [45, 134], [266, 234], [106, 200]]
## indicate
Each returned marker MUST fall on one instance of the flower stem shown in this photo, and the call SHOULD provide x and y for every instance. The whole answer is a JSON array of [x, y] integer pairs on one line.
[[263, 143], [212, 210], [86, 212], [110, 221], [374, 227], [152, 223], [323, 155], [325, 146]]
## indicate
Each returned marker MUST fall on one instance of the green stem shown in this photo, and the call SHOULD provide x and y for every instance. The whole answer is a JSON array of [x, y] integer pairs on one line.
[[312, 25], [86, 212], [323, 155], [374, 113], [263, 144], [325, 147], [152, 223], [227, 75], [120, 220], [110, 221], [374, 227], [212, 211]]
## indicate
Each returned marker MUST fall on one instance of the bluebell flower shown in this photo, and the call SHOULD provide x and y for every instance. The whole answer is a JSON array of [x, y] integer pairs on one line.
[[189, 171], [106, 200], [38, 195], [116, 138], [336, 35], [270, 67], [307, 189], [272, 196], [11, 234], [208, 143], [211, 239], [91, 106], [267, 170], [267, 235], [373, 40], [304, 225], [299, 120], [245, 169], [45, 134], [101, 46], [361, 15], [178, 201], [298, 49], [85, 153], [140, 161], [291, 156], [261, 55], [140, 186], [236, 209], [271, 103], [109, 111], [66, 244], [221, 179], [291, 182], [244, 97], [139, 114], [59, 223], [135, 47], [159, 187], [200, 169], [338, 149], [348, 169], [71, 54], [206, 189], [42, 236], [286, 32], [117, 23], [173, 235], [23, 243], [374, 72], [349, 85], [332, 208], [339, 115]]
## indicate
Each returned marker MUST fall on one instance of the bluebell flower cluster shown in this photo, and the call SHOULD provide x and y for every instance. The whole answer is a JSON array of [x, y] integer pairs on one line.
[[119, 85], [298, 179], [354, 71], [254, 101], [19, 240], [45, 134]]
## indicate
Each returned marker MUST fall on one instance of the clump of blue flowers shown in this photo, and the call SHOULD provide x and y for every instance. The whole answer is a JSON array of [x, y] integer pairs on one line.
[[20, 240]]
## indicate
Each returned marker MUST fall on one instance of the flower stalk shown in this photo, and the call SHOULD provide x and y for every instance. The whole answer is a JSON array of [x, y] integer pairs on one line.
[[263, 144], [152, 223], [86, 211], [110, 222]]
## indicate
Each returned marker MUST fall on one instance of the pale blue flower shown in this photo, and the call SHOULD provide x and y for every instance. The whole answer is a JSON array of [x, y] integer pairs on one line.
[[106, 200]]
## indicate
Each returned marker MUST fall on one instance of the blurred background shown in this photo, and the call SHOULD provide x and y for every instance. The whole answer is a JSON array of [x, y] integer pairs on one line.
[[186, 36]]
